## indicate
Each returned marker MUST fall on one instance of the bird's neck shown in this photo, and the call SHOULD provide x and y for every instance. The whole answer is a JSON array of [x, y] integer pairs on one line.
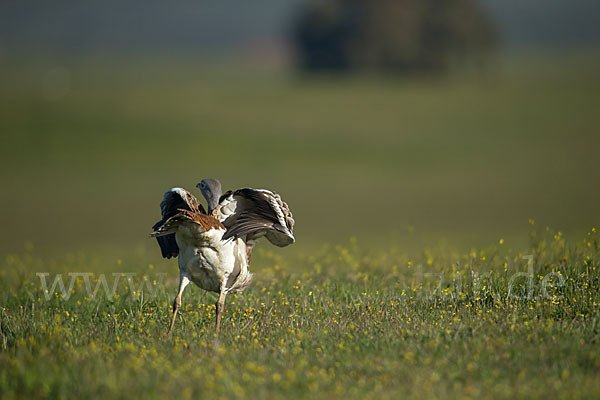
[[212, 202]]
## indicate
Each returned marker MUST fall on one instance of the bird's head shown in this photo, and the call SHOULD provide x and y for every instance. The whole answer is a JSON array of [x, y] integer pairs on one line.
[[211, 190]]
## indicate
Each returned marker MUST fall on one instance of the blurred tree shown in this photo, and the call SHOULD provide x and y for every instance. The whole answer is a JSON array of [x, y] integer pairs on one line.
[[391, 35]]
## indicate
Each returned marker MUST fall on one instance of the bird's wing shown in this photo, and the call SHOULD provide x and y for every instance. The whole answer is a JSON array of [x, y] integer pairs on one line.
[[174, 200], [178, 199], [253, 213]]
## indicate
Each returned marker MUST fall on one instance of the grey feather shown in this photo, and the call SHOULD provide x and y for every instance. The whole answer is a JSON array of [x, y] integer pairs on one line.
[[257, 213]]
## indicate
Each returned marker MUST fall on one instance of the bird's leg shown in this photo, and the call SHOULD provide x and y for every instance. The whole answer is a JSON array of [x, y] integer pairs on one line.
[[183, 282], [176, 305], [220, 308]]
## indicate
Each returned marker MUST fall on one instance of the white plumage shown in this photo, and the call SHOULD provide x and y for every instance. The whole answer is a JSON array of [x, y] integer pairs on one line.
[[214, 247]]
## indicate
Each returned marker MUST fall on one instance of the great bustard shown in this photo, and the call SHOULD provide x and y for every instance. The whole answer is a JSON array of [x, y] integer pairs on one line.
[[214, 247]]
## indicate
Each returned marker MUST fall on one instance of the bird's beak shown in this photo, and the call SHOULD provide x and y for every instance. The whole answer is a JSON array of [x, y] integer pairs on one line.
[[198, 185]]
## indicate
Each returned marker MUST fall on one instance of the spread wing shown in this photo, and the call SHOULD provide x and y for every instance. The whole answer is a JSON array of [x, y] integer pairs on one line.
[[253, 213], [173, 201]]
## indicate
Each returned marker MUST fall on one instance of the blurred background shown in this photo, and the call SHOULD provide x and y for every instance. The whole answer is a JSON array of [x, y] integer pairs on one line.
[[402, 123]]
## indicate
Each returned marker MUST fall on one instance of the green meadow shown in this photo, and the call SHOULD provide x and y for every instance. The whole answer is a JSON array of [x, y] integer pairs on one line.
[[446, 228]]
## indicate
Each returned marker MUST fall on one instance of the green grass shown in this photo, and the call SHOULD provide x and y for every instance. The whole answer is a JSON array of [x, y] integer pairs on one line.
[[343, 322], [466, 158], [434, 178]]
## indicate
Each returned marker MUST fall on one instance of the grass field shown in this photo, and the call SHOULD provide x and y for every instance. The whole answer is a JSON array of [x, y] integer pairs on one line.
[[466, 159], [416, 202], [341, 322]]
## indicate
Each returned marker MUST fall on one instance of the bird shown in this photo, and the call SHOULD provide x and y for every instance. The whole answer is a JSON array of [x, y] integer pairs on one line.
[[214, 245]]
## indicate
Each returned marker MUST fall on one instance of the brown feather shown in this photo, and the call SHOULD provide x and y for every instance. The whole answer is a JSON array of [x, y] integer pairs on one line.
[[207, 222]]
